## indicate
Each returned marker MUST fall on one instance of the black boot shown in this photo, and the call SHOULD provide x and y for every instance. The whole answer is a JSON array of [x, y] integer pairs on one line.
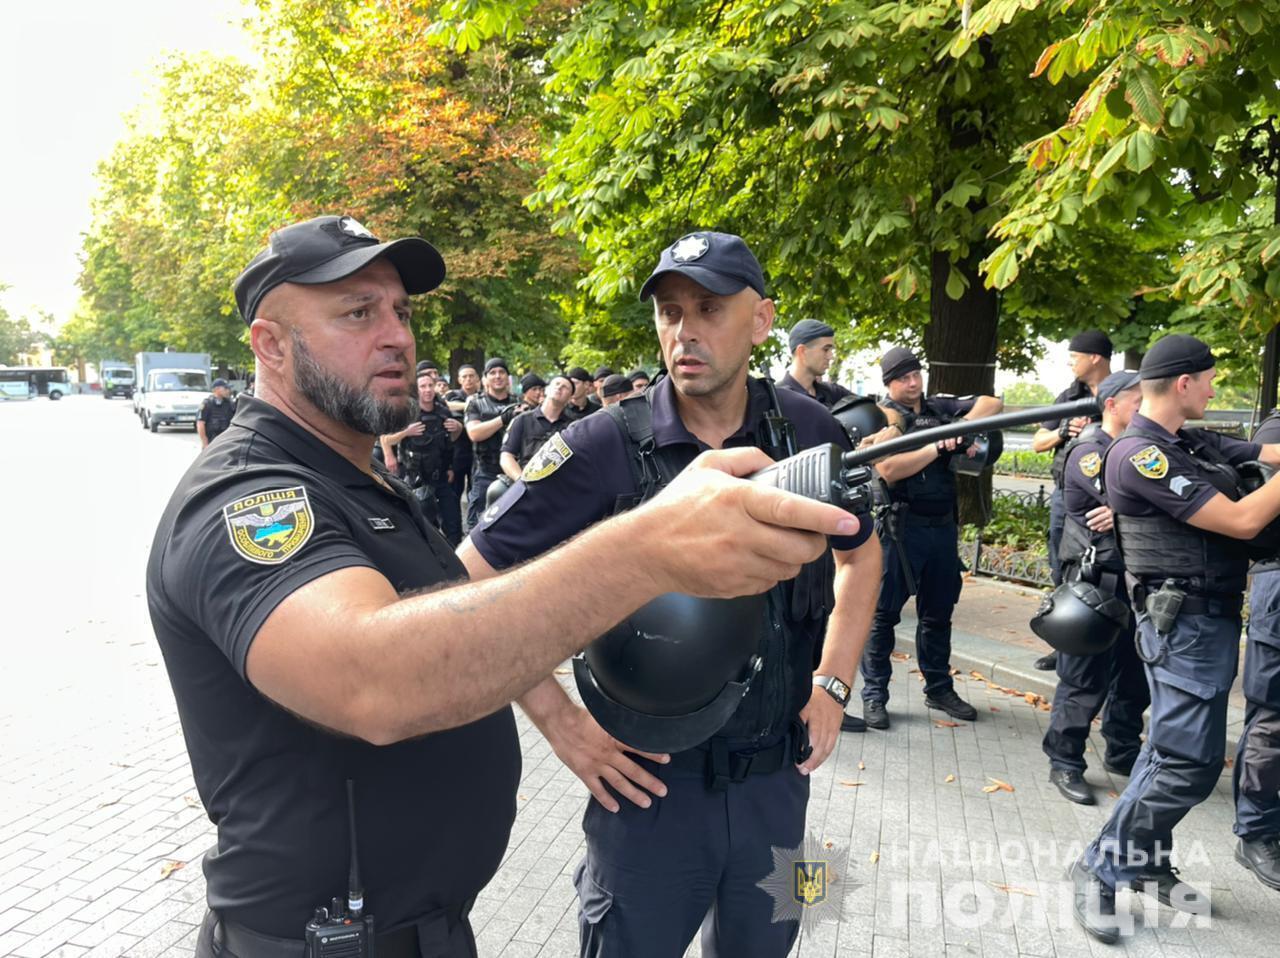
[[1262, 858], [875, 714], [1163, 882], [1047, 663], [1071, 785], [1094, 904], [952, 704]]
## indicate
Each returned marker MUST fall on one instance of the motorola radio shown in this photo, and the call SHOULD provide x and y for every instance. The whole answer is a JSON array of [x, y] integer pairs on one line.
[[343, 930]]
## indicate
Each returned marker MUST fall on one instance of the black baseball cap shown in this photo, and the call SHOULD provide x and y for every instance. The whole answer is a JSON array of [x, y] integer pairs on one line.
[[720, 262], [218, 382], [1115, 384], [577, 372], [330, 248], [616, 384]]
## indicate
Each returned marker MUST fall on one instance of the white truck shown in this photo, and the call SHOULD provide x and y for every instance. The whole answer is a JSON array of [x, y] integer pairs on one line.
[[170, 388]]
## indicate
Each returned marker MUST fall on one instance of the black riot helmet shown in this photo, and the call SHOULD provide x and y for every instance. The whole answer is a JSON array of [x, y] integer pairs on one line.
[[989, 444], [1082, 618], [670, 675], [860, 417]]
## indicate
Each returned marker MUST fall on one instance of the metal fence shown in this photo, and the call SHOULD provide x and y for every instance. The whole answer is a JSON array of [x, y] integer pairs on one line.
[[1030, 567]]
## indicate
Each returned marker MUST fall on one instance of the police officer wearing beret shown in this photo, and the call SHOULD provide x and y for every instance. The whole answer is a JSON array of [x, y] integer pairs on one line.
[[215, 413], [639, 379], [681, 844], [813, 347], [1089, 356], [487, 415], [313, 639], [532, 390], [530, 429], [920, 541], [1182, 523], [1255, 776], [1114, 677], [422, 454]]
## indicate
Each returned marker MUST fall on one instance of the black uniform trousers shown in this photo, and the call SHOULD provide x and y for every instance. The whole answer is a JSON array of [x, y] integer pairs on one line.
[[653, 876], [439, 501], [1115, 677], [1057, 522], [931, 548], [1189, 672], [481, 479], [1256, 776]]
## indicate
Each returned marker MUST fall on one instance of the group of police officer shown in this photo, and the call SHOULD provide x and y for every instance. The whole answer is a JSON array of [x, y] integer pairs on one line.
[[287, 546]]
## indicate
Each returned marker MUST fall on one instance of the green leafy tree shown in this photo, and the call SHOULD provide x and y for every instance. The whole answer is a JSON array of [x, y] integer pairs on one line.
[[1028, 394], [16, 336]]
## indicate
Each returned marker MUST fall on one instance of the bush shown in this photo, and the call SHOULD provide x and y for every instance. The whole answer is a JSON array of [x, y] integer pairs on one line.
[[1025, 463], [1018, 523]]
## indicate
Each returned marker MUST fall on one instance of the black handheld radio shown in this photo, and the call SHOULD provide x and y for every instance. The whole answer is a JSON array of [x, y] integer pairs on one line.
[[339, 931]]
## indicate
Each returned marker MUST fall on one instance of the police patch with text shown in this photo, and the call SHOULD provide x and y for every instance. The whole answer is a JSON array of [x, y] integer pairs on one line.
[[267, 527]]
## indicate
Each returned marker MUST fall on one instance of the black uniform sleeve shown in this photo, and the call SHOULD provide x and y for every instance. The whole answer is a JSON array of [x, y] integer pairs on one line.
[[1235, 450], [512, 441], [1082, 486], [1066, 395], [227, 565], [472, 413], [203, 415]]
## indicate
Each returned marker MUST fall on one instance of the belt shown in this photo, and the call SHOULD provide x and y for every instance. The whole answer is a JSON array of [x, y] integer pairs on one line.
[[723, 767], [1203, 605], [914, 518], [404, 942]]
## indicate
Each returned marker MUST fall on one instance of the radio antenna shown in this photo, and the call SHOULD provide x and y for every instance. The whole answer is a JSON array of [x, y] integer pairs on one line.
[[355, 891]]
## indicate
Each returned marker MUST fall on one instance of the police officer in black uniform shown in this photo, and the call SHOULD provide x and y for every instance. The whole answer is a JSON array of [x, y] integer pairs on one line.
[[920, 540], [533, 388], [658, 869], [580, 404], [215, 413], [486, 416], [422, 455], [1089, 355], [529, 430], [1114, 677], [463, 451], [1255, 777], [813, 347], [1181, 523], [295, 590], [639, 379]]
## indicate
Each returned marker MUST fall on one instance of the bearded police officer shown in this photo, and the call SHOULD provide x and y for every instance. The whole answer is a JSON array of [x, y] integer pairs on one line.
[[920, 541], [422, 455], [1255, 777], [1089, 356], [1181, 522], [657, 868], [1115, 676], [295, 591], [813, 347], [215, 413], [487, 414]]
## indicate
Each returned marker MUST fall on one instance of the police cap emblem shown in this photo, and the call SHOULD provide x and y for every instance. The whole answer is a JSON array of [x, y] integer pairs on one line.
[[1151, 462], [353, 227], [267, 527], [689, 248]]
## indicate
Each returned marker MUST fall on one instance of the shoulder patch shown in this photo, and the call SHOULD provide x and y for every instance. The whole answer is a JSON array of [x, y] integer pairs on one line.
[[267, 527], [1151, 462], [1179, 484], [1090, 464], [551, 455]]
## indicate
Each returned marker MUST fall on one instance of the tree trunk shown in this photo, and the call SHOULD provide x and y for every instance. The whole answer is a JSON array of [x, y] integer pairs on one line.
[[960, 345]]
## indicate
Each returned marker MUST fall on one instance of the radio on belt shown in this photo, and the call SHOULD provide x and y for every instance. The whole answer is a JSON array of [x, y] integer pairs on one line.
[[339, 931]]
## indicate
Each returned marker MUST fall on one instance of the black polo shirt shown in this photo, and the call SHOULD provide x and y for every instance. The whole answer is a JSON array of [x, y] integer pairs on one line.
[[262, 512], [826, 393], [531, 429]]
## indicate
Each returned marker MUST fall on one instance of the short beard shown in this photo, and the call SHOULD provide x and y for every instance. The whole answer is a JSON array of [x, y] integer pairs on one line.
[[343, 403]]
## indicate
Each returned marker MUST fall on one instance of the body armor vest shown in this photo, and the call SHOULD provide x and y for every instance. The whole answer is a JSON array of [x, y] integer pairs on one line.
[[932, 490], [1077, 390], [427, 458], [218, 416], [1077, 538], [1158, 547], [488, 452], [785, 678]]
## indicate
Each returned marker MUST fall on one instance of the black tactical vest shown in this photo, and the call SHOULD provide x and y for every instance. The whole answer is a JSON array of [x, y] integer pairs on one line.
[[1077, 538], [488, 452], [427, 458], [1077, 390], [1159, 547], [932, 490], [785, 680], [217, 416]]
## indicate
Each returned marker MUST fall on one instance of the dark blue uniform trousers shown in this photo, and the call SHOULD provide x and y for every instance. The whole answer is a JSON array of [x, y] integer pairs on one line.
[[442, 509], [932, 552], [1186, 744], [1085, 682], [480, 482], [1057, 521], [652, 877], [1256, 776]]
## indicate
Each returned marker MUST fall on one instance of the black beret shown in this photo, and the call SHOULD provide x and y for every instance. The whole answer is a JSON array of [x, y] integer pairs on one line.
[[426, 364], [602, 372], [497, 363], [577, 372], [1091, 341], [531, 381], [616, 385], [1174, 355], [897, 362], [806, 331]]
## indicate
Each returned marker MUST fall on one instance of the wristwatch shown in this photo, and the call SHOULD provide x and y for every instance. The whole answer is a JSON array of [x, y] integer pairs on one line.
[[834, 687]]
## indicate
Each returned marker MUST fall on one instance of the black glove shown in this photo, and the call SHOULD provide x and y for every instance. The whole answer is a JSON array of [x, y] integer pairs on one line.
[[1064, 429], [510, 412]]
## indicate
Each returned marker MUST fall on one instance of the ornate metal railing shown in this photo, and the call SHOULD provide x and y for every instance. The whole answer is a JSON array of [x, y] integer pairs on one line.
[[1030, 567]]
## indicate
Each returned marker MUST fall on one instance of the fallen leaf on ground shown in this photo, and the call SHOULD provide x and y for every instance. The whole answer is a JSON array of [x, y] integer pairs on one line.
[[169, 867], [1229, 761], [997, 784], [994, 709], [899, 656], [955, 672], [974, 673], [913, 671], [1045, 706], [949, 779], [828, 845], [1012, 889], [862, 766], [943, 723], [109, 803], [1031, 697], [192, 801], [875, 857], [851, 784], [1113, 793]]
